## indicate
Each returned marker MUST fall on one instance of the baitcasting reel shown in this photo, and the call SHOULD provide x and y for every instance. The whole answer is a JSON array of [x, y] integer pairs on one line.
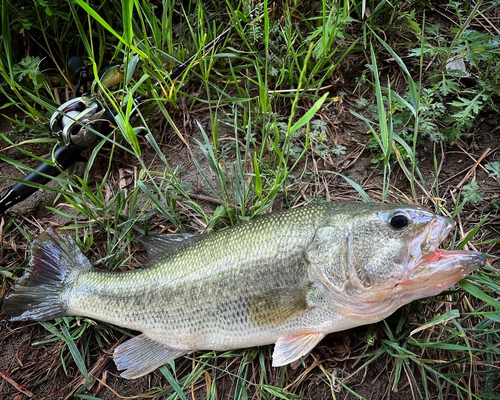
[[76, 123]]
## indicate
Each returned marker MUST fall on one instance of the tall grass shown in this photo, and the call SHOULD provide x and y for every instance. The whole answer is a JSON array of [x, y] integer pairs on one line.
[[249, 106]]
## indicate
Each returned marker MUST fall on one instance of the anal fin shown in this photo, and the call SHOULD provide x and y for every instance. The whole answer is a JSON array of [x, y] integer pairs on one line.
[[291, 348], [141, 355]]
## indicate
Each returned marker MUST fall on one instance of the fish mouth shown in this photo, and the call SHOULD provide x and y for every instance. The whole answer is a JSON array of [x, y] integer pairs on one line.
[[427, 243], [439, 270]]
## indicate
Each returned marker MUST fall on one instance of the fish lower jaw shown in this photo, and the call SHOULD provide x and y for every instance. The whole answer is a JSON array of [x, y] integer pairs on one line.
[[438, 271], [453, 259]]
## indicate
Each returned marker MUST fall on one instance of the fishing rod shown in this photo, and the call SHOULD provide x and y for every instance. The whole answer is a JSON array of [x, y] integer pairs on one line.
[[81, 121]]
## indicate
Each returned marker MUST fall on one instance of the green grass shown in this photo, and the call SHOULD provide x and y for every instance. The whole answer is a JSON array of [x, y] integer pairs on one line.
[[254, 122]]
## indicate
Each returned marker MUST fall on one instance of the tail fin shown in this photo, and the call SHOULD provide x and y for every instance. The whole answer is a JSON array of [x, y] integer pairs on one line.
[[55, 262]]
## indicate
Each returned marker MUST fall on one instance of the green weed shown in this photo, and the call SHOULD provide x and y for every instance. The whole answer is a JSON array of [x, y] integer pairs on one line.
[[251, 119]]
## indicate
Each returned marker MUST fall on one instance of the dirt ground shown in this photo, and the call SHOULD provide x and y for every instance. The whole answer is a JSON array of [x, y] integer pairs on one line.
[[28, 353], [25, 365]]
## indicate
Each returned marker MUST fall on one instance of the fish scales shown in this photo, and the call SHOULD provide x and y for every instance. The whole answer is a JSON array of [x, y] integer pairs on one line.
[[217, 274], [287, 278]]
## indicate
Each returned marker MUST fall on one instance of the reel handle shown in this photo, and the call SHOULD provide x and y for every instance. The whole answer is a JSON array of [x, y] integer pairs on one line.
[[77, 66]]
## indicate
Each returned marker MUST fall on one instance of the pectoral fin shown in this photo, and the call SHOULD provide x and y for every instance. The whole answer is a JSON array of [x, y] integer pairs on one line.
[[141, 355], [288, 349], [278, 306]]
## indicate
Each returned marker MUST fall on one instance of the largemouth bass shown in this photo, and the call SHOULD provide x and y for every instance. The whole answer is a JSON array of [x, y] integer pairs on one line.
[[287, 278]]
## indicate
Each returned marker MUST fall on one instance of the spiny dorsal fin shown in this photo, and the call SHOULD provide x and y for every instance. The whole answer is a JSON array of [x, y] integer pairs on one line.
[[160, 244], [278, 306], [141, 355], [289, 349]]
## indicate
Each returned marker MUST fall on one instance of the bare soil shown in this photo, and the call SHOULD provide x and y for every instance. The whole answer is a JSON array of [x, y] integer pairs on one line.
[[31, 367], [28, 370]]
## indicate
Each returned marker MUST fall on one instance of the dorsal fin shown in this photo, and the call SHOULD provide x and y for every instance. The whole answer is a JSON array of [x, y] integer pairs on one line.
[[163, 243]]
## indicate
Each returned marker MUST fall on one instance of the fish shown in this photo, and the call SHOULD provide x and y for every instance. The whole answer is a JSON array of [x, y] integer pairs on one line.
[[287, 278]]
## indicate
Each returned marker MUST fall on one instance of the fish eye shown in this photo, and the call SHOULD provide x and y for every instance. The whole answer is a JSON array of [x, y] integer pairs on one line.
[[399, 221]]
